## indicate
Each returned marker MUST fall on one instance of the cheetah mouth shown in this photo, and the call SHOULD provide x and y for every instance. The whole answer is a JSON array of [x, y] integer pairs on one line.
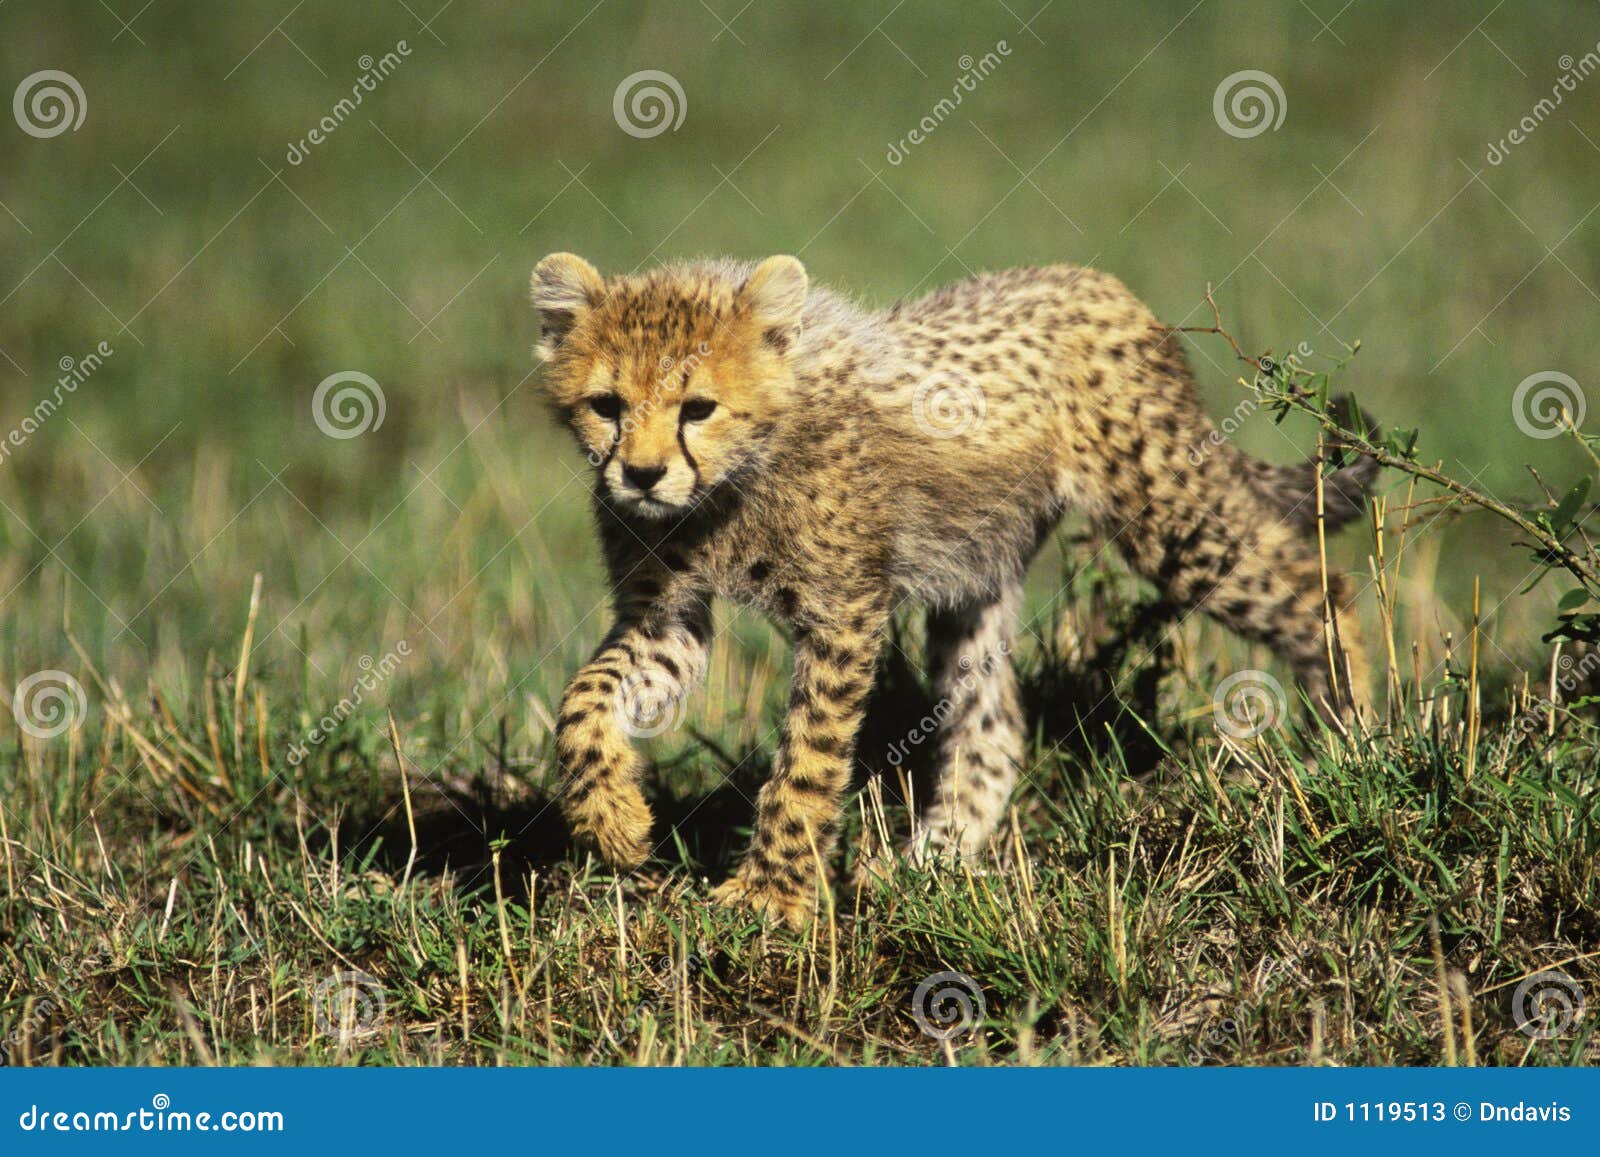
[[648, 506]]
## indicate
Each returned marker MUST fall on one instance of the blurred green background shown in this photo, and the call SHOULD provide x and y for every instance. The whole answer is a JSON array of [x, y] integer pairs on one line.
[[229, 282]]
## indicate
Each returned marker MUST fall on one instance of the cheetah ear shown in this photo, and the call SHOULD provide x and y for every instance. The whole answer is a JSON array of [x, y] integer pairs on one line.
[[564, 287], [775, 295]]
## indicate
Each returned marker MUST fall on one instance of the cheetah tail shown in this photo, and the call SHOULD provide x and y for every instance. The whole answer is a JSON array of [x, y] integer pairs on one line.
[[1291, 490]]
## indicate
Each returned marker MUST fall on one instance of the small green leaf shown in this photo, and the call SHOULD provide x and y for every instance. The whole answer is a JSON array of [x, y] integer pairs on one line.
[[1583, 628], [1571, 502], [1401, 442], [1572, 600]]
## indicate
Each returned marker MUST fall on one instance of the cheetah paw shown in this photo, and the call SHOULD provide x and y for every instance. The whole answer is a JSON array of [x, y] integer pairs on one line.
[[796, 910], [617, 825], [875, 871]]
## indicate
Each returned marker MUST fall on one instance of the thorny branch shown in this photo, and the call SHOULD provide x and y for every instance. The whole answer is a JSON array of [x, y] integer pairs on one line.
[[1277, 380]]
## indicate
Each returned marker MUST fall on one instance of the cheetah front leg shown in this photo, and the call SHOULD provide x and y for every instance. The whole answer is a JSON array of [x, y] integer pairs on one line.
[[797, 810], [630, 689], [981, 737]]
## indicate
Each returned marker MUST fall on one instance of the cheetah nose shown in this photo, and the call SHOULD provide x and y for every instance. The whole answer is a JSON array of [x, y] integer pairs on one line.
[[643, 477]]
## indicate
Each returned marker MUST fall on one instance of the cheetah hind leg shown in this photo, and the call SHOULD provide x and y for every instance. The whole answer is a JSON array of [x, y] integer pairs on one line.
[[981, 737]]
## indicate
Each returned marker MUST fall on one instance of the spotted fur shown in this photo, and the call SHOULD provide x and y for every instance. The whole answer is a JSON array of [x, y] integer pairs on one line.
[[763, 440]]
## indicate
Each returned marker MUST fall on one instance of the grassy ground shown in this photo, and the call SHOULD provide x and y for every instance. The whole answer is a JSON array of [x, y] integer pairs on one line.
[[179, 885], [178, 895]]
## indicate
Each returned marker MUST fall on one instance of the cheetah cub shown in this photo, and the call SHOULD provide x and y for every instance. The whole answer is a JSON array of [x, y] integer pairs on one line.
[[761, 439]]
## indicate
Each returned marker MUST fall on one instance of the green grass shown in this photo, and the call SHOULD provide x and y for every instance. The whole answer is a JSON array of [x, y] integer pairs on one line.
[[181, 896], [1272, 902]]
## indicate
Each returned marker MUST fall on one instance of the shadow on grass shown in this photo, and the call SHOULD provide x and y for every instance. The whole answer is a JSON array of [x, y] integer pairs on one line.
[[1076, 712], [459, 826]]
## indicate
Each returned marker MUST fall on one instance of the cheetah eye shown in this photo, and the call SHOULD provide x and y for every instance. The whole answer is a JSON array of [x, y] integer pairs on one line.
[[697, 409], [608, 406]]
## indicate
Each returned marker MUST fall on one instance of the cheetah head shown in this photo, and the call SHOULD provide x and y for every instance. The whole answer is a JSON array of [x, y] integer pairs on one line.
[[672, 380]]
